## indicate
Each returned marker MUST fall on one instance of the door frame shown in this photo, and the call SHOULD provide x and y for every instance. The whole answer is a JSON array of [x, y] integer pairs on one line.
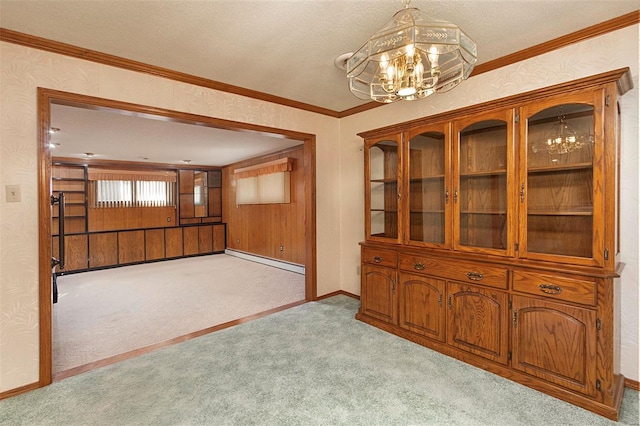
[[48, 96]]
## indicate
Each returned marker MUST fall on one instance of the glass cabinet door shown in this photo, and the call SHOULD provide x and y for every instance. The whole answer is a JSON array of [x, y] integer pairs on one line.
[[562, 182], [382, 169], [484, 172], [427, 154]]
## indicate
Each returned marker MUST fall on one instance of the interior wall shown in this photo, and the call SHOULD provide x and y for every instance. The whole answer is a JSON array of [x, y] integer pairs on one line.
[[271, 230], [612, 51], [22, 71]]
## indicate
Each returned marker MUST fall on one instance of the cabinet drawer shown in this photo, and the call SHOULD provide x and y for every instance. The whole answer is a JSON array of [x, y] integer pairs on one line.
[[492, 276], [555, 287], [380, 257]]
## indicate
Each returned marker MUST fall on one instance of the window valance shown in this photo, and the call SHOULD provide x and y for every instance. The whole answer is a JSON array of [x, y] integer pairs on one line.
[[132, 175], [275, 166]]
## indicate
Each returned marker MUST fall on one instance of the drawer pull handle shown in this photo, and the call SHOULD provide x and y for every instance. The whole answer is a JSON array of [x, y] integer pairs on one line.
[[419, 266], [474, 276], [550, 288], [377, 259]]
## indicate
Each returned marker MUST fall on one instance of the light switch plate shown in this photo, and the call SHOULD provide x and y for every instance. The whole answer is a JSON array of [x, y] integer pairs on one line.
[[14, 194]]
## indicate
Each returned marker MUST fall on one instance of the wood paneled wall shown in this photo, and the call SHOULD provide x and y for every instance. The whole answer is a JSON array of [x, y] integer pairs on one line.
[[116, 219], [262, 229]]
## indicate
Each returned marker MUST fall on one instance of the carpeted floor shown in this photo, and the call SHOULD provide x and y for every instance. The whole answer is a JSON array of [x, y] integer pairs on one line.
[[313, 364], [109, 312]]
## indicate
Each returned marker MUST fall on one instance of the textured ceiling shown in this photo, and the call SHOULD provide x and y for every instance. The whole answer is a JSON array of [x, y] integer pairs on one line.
[[284, 48]]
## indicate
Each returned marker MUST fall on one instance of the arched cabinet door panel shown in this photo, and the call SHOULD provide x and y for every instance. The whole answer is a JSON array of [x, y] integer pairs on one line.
[[422, 305], [556, 343], [477, 321], [379, 296]]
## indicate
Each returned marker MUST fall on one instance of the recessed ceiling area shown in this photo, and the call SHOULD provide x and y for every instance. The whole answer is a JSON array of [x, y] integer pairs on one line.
[[112, 135]]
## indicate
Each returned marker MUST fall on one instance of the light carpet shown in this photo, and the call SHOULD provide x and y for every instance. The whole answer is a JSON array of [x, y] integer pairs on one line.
[[109, 312], [313, 364]]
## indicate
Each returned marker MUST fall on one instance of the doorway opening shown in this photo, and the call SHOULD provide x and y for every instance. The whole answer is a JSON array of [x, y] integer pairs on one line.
[[47, 98]]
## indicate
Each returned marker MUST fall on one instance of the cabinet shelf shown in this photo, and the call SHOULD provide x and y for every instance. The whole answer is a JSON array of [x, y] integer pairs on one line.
[[383, 210], [424, 178], [484, 173], [68, 191], [559, 213], [563, 168], [389, 180], [488, 212], [427, 211], [59, 179]]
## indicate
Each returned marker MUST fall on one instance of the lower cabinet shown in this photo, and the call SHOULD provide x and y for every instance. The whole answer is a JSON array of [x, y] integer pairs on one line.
[[421, 302], [477, 321], [98, 250], [550, 330], [379, 296], [555, 342]]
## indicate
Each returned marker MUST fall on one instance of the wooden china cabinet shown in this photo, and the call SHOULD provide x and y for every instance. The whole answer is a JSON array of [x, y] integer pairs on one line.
[[492, 236]]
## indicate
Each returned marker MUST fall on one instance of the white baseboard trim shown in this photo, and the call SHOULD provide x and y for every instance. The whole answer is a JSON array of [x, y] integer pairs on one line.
[[293, 267]]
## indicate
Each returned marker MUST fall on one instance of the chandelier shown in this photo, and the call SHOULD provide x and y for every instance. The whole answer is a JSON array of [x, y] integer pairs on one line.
[[410, 58], [563, 138]]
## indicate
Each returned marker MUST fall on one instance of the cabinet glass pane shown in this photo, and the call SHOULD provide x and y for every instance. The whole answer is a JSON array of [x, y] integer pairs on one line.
[[427, 187], [483, 185], [383, 159], [560, 180]]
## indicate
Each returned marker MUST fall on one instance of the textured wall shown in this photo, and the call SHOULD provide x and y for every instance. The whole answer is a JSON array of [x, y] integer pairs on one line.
[[340, 183], [612, 51], [22, 71]]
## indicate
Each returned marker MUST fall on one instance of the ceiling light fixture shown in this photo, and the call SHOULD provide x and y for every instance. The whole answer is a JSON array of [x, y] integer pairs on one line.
[[53, 130], [89, 154], [562, 138], [410, 58]]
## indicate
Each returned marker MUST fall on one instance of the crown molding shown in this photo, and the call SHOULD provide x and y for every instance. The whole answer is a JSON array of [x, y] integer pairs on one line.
[[22, 39]]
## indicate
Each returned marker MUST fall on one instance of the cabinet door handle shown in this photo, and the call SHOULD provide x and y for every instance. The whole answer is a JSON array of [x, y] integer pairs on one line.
[[550, 288], [455, 195], [515, 318], [393, 287], [522, 193], [377, 259], [474, 276], [446, 196], [449, 304], [440, 300], [419, 266]]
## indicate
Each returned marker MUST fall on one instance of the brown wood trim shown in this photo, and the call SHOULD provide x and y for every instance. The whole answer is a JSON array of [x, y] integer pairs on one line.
[[557, 43], [48, 96], [112, 60], [311, 261], [502, 103], [154, 347], [131, 65], [44, 239], [20, 390], [339, 293], [136, 165], [632, 384], [275, 166]]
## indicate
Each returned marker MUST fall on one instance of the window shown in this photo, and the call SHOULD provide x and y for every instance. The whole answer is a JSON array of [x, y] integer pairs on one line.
[[126, 193], [125, 188], [267, 183]]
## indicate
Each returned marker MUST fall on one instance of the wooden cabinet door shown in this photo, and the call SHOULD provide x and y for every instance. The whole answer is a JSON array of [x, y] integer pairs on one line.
[[477, 321], [383, 168], [563, 155], [483, 182], [421, 305], [555, 342], [427, 177], [379, 296]]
